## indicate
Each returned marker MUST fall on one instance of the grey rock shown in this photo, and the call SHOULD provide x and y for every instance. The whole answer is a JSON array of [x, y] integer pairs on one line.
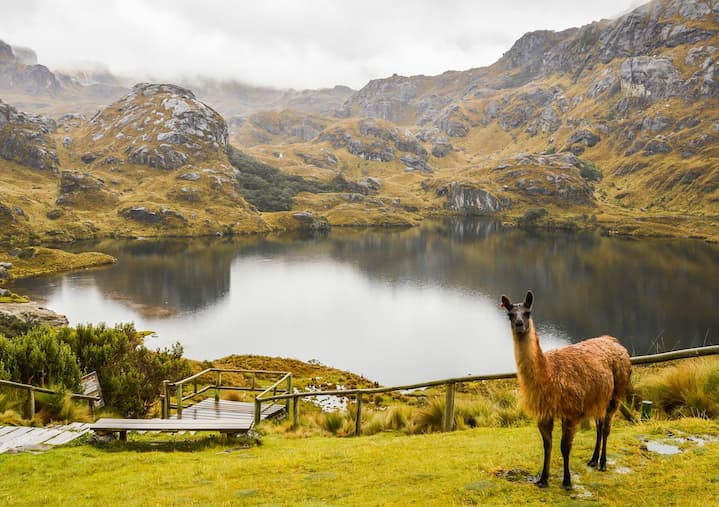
[[416, 163], [191, 176], [164, 216], [585, 137], [18, 318], [26, 139], [308, 222], [657, 145], [468, 199], [441, 147], [654, 78]]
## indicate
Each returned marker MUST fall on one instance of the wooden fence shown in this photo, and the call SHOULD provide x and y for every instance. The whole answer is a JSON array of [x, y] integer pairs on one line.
[[450, 385], [31, 390], [215, 384]]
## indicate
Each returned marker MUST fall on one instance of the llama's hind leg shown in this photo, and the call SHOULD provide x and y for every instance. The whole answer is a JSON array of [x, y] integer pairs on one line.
[[568, 429], [599, 422], [607, 427], [545, 428]]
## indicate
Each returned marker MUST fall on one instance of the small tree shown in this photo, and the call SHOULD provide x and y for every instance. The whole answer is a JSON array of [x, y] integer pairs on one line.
[[131, 375]]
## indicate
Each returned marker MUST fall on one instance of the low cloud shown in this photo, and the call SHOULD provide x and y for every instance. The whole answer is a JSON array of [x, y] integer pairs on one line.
[[284, 43]]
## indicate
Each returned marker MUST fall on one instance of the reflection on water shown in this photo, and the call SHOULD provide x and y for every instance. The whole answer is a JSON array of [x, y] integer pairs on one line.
[[399, 305]]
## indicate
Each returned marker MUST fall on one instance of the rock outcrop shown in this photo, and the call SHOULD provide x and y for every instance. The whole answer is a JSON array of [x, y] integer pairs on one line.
[[468, 199], [26, 139], [159, 125], [18, 318]]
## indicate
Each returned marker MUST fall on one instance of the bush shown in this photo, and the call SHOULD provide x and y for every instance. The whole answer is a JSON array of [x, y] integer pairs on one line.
[[531, 215], [39, 357], [130, 374], [589, 170]]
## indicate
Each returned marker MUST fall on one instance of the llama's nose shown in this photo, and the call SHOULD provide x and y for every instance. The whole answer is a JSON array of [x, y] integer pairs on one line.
[[519, 324]]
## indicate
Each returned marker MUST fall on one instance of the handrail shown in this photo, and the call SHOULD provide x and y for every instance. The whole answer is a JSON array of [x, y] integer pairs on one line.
[[217, 386], [451, 385], [258, 399], [31, 389]]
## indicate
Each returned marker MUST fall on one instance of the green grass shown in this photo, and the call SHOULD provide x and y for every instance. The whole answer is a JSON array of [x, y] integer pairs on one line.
[[473, 467]]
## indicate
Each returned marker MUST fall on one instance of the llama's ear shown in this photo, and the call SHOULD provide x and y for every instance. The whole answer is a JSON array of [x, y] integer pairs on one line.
[[528, 300], [506, 303]]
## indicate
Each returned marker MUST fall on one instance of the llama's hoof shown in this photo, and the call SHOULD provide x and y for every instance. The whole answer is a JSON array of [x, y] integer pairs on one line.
[[592, 463], [602, 467], [567, 485], [541, 483]]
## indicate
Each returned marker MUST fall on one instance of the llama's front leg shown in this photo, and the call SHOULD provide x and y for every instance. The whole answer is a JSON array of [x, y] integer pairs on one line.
[[545, 428], [568, 430], [597, 447]]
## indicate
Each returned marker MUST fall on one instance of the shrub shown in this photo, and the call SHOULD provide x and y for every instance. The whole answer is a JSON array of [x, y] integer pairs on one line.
[[130, 374], [531, 215], [39, 357], [589, 171]]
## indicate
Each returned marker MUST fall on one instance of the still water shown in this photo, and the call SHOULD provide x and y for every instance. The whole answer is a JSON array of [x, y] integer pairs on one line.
[[397, 306]]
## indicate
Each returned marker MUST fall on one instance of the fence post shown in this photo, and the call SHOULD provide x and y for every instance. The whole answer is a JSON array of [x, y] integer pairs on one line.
[[258, 410], [295, 412], [289, 391], [178, 393], [218, 382], [358, 415], [449, 408], [166, 399], [31, 403]]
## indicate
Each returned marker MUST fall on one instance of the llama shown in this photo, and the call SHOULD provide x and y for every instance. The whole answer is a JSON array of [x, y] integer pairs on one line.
[[587, 379]]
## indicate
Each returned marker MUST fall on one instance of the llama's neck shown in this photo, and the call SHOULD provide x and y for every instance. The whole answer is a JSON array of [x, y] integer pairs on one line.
[[531, 362]]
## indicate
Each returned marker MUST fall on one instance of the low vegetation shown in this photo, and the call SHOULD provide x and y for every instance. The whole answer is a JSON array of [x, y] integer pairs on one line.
[[269, 189], [130, 374], [35, 261]]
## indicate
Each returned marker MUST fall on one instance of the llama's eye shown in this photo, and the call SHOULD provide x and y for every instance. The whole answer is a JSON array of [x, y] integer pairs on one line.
[[526, 314]]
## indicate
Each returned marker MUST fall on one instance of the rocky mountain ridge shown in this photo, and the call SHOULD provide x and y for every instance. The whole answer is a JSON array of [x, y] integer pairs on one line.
[[613, 124]]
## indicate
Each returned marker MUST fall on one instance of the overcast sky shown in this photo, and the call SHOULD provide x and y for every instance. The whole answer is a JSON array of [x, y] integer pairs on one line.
[[285, 43]]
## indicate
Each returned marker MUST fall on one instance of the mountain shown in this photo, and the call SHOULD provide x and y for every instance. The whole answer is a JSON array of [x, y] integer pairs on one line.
[[611, 125]]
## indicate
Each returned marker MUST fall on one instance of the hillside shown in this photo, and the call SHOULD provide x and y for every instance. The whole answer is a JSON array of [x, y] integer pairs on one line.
[[611, 125]]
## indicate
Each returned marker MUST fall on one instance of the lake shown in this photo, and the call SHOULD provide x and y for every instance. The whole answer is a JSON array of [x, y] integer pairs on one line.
[[398, 306]]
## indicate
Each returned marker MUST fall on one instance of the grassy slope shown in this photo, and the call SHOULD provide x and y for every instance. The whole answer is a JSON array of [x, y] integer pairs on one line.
[[461, 468]]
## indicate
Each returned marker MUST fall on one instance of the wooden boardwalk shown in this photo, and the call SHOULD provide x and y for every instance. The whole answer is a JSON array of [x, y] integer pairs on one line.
[[209, 409], [207, 415], [27, 438]]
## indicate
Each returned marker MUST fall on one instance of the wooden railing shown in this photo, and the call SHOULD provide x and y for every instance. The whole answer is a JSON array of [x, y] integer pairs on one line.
[[256, 380], [450, 384], [31, 390]]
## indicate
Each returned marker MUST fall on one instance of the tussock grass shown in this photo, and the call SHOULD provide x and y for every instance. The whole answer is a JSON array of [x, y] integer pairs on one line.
[[688, 388]]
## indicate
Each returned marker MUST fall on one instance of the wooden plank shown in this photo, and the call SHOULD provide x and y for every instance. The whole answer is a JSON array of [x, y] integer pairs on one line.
[[7, 429], [66, 436], [169, 425]]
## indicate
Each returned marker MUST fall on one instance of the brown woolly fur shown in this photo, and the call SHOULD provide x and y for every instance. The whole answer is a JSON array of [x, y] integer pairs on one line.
[[587, 379]]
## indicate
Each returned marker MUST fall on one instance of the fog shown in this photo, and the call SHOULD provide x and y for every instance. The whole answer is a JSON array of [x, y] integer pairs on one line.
[[284, 43]]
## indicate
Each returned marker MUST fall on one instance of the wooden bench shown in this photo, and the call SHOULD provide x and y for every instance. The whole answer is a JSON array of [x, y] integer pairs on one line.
[[122, 426]]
